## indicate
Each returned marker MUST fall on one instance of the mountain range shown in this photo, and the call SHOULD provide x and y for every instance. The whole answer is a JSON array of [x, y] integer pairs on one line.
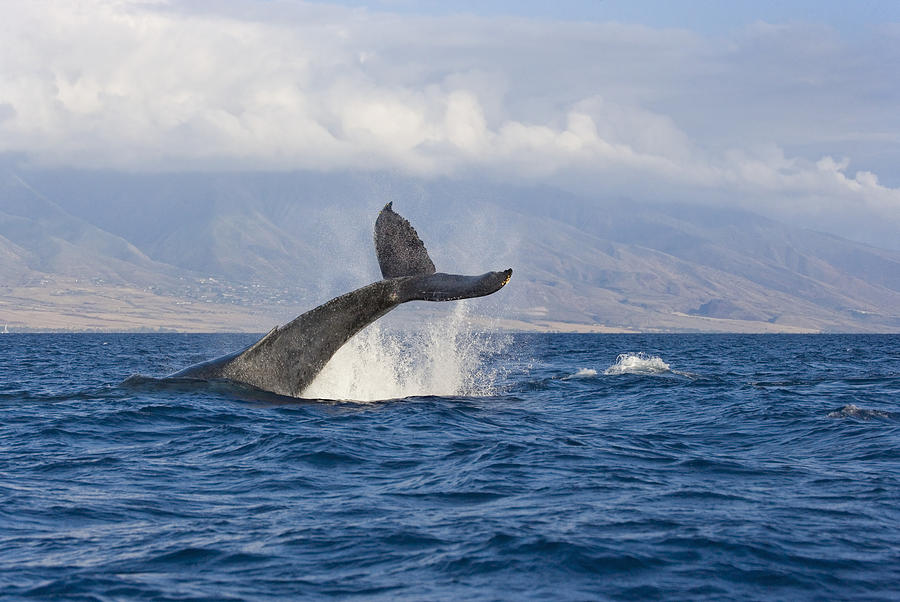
[[239, 251]]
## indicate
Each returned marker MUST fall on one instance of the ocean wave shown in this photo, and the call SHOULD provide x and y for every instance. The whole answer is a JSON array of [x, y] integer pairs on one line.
[[589, 487]]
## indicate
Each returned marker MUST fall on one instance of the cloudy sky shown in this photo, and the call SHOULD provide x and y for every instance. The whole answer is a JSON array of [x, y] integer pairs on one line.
[[788, 108]]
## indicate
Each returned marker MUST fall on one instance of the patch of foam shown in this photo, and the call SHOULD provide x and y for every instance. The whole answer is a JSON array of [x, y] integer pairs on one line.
[[447, 357], [638, 363], [583, 373]]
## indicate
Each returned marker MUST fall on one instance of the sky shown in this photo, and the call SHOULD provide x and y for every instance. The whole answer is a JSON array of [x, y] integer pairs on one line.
[[706, 16], [789, 109]]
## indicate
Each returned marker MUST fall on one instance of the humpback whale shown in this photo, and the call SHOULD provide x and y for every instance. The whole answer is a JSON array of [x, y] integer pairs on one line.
[[287, 359]]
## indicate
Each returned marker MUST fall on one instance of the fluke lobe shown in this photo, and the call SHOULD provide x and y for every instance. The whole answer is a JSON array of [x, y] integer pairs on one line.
[[286, 360]]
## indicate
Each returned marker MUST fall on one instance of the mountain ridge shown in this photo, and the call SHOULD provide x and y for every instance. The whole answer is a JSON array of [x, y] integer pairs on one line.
[[303, 237]]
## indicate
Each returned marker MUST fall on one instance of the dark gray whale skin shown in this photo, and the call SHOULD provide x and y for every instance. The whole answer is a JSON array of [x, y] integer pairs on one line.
[[288, 358]]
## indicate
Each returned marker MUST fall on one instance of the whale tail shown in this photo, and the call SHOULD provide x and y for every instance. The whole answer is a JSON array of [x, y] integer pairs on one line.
[[287, 359], [402, 254], [400, 250], [452, 287]]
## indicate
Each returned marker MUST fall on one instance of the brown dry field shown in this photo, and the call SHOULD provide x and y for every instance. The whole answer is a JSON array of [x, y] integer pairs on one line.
[[71, 306]]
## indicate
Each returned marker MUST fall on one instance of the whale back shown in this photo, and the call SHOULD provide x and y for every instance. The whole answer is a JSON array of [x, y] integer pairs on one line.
[[400, 250]]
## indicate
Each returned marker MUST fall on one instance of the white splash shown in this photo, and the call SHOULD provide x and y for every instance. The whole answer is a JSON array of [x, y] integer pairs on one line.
[[447, 357], [638, 363], [583, 373]]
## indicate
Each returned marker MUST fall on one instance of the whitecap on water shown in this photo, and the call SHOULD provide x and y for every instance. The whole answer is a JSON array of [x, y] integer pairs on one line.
[[447, 357], [638, 363], [583, 373]]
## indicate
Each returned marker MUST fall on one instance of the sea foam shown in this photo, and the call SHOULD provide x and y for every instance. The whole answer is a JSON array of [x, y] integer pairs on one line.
[[638, 363], [582, 373]]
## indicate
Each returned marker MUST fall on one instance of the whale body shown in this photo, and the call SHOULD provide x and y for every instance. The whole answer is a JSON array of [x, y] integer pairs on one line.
[[287, 359]]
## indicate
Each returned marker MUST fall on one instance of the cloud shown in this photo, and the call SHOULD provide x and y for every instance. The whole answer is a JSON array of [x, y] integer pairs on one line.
[[607, 108]]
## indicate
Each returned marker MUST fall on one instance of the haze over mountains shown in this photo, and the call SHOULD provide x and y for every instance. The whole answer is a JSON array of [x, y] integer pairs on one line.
[[267, 245]]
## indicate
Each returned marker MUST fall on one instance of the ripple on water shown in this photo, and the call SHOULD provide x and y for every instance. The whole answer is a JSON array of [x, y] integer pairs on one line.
[[716, 467]]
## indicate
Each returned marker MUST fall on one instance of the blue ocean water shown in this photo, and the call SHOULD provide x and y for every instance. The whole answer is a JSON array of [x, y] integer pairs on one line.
[[586, 467]]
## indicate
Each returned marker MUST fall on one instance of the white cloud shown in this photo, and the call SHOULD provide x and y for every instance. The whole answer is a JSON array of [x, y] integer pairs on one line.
[[615, 109]]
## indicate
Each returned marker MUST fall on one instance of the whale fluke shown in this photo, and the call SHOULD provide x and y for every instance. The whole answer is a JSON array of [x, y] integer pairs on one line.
[[400, 250], [288, 358], [453, 287]]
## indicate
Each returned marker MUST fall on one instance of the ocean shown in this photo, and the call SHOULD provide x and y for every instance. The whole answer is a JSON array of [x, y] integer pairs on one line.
[[472, 466]]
